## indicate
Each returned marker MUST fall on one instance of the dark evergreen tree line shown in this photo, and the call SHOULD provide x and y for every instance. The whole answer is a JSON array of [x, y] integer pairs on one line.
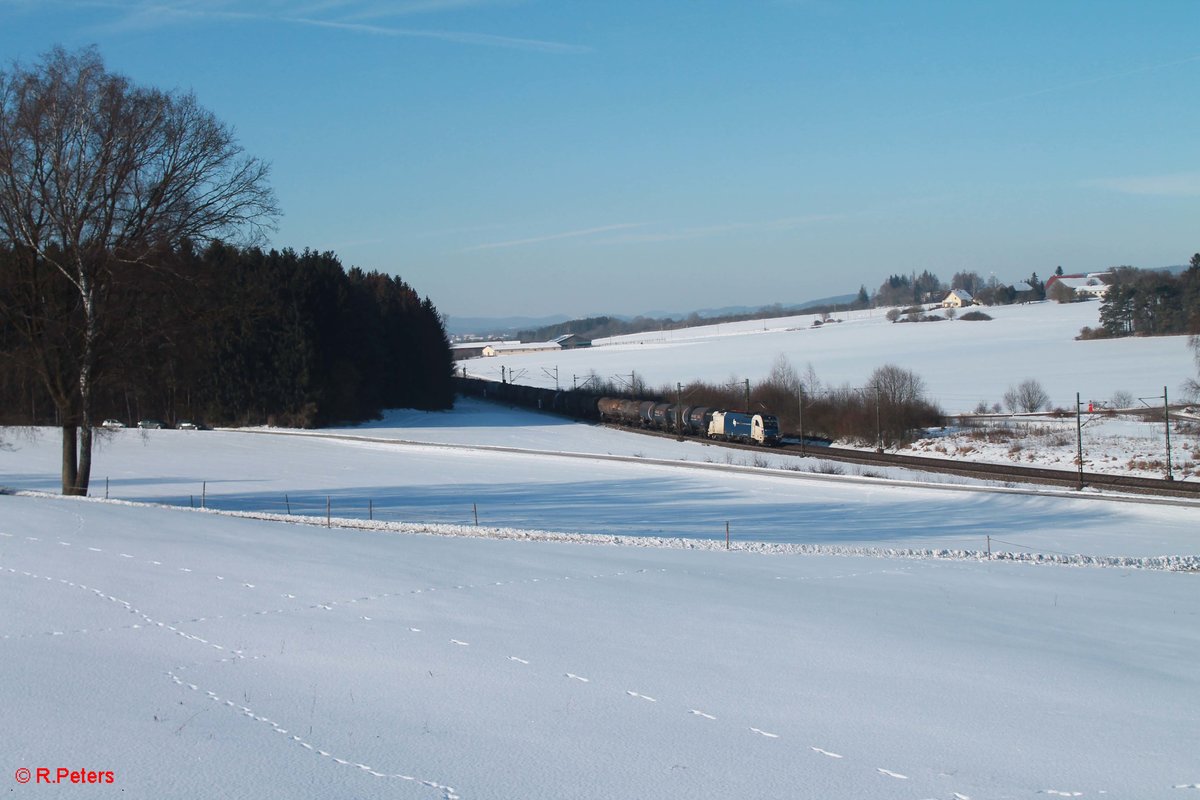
[[231, 336], [1150, 303]]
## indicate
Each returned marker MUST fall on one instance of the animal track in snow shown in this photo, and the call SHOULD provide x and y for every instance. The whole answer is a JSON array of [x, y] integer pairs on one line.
[[462, 587], [826, 753], [448, 791]]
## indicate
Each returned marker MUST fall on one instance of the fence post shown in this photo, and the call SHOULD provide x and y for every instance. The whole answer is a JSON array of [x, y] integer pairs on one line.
[[727, 534], [328, 507], [370, 509], [288, 502], [204, 494], [475, 511], [989, 545], [106, 482]]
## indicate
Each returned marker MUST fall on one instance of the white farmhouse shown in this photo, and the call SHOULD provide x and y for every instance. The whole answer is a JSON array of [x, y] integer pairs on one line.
[[958, 298]]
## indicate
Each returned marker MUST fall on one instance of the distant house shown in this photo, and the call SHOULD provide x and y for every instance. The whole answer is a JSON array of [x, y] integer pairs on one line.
[[463, 350], [1023, 292], [571, 342], [958, 298], [1092, 284]]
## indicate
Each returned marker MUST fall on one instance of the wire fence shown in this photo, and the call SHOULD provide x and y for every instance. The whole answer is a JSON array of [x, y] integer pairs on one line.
[[327, 506], [332, 509]]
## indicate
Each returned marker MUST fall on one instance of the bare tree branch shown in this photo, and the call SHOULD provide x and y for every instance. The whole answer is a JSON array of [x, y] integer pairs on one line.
[[94, 171]]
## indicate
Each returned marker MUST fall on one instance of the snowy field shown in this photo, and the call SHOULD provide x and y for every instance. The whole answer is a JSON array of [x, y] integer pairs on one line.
[[519, 469], [197, 654], [962, 363]]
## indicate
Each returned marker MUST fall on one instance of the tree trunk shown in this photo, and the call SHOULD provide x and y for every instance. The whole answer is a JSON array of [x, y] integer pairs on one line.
[[70, 463], [84, 473], [87, 360]]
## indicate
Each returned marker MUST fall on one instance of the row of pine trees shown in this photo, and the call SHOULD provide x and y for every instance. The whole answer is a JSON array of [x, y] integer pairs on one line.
[[232, 335]]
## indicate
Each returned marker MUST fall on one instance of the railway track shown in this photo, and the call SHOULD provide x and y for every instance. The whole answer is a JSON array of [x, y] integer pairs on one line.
[[583, 407], [1008, 473]]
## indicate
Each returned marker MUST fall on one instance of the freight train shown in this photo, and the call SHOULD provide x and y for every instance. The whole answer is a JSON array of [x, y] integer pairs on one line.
[[702, 421]]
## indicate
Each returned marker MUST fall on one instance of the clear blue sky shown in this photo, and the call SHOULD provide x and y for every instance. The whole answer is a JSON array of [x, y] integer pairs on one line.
[[510, 157]]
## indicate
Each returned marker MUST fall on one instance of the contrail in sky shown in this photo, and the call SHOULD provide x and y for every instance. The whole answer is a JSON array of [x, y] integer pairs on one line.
[[554, 236]]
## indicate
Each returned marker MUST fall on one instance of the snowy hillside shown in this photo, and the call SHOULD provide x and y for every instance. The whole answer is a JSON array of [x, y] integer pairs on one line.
[[962, 363], [525, 470], [195, 654]]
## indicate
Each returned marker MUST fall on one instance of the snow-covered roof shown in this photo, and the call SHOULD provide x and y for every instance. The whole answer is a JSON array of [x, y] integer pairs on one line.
[[961, 294], [1080, 282], [516, 347]]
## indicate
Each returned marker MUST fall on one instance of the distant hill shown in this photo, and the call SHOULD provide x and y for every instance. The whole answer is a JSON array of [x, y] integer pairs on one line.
[[536, 328], [732, 311], [601, 327], [498, 326]]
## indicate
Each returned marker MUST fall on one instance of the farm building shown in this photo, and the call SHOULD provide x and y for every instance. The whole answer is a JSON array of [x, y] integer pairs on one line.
[[572, 342], [958, 298], [509, 348], [463, 350], [1093, 284]]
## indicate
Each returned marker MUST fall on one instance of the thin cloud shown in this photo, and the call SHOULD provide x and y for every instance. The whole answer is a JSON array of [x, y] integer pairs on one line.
[[701, 232], [457, 37], [340, 15], [383, 10], [554, 237], [1180, 184]]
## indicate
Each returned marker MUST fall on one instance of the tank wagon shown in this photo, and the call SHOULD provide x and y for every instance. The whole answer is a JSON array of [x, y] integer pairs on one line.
[[711, 423], [700, 421]]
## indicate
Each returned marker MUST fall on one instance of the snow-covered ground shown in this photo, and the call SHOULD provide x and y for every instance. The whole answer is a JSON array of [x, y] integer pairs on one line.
[[198, 654], [519, 469], [1118, 444], [962, 363]]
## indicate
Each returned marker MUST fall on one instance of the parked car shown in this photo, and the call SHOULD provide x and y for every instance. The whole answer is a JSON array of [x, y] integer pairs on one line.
[[187, 425], [150, 424], [112, 424]]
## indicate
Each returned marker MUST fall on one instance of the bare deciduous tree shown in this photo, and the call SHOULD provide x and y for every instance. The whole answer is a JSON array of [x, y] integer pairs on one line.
[[96, 172], [1027, 396], [1123, 399], [896, 385], [1192, 387]]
